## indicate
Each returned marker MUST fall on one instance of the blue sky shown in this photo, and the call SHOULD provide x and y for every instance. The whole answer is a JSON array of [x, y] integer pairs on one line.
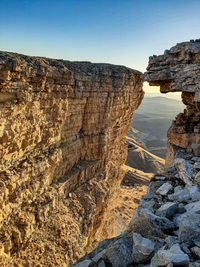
[[124, 32]]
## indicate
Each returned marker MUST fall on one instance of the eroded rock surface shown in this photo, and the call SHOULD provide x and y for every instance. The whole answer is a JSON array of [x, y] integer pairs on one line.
[[62, 144], [178, 71], [162, 231], [165, 229]]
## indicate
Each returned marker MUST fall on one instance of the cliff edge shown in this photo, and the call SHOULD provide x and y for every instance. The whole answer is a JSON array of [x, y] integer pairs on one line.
[[62, 144]]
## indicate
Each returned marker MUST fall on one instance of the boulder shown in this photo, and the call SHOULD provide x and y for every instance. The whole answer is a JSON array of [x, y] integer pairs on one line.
[[171, 240], [142, 248], [101, 264], [181, 208], [189, 229], [185, 170], [120, 252], [147, 204], [196, 252], [173, 256], [154, 185], [167, 210], [164, 189], [193, 207], [185, 195], [148, 224], [98, 256], [177, 220]]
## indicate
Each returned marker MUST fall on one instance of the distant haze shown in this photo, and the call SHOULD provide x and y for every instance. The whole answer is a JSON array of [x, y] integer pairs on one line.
[[154, 91], [152, 120]]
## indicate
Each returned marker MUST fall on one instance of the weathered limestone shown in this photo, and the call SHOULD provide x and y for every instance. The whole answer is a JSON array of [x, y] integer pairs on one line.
[[178, 70], [62, 144]]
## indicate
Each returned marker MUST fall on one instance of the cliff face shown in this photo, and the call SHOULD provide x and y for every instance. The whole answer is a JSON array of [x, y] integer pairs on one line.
[[178, 70], [62, 145], [164, 230]]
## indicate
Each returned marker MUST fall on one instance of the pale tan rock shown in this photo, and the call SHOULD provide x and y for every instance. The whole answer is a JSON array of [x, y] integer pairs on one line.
[[177, 70], [62, 144]]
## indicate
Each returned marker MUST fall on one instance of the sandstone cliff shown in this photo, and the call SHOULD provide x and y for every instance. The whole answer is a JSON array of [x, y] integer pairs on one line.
[[62, 144], [164, 230]]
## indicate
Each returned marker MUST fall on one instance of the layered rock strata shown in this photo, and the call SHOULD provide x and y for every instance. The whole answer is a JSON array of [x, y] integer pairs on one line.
[[178, 70], [165, 229], [62, 144]]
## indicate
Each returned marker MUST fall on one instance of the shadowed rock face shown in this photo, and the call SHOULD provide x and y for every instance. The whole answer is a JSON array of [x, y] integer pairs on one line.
[[179, 70], [62, 144]]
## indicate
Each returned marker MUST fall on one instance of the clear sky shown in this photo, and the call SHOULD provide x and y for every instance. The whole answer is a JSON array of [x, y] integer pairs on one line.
[[124, 32]]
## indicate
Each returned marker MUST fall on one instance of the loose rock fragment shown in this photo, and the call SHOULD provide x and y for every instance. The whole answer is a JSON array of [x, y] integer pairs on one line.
[[148, 224], [184, 195], [101, 264], [142, 248], [193, 207], [167, 210], [185, 170], [172, 256], [196, 251], [171, 240], [177, 220], [164, 189], [120, 253], [189, 229]]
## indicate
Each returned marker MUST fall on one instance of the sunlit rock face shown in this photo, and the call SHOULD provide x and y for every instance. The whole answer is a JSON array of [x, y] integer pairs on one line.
[[179, 70], [62, 144]]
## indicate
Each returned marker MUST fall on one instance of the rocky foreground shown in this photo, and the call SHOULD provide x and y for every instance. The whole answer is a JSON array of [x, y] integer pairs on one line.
[[165, 229]]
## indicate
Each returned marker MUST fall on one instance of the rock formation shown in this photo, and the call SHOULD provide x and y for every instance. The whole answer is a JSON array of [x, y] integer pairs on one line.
[[62, 144], [165, 229], [178, 71]]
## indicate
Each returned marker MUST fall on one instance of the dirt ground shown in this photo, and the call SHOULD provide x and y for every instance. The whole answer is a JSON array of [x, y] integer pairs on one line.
[[124, 201]]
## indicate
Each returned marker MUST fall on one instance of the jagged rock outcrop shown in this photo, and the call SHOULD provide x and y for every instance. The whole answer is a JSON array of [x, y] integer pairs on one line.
[[178, 70], [165, 229], [62, 144]]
